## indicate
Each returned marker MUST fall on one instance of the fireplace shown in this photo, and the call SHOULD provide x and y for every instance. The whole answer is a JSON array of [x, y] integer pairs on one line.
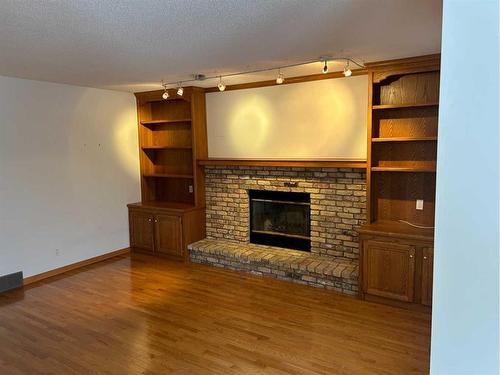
[[281, 219]]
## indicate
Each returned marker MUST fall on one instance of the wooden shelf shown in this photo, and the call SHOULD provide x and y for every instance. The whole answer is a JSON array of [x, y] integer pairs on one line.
[[168, 175], [159, 122], [405, 169], [397, 229], [312, 163], [165, 205], [398, 106], [405, 139], [145, 148]]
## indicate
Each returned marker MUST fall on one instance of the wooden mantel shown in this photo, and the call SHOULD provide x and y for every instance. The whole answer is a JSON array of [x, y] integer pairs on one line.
[[300, 163]]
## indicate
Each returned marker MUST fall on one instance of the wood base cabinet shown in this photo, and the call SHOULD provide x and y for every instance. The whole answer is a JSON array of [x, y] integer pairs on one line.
[[165, 231], [396, 271]]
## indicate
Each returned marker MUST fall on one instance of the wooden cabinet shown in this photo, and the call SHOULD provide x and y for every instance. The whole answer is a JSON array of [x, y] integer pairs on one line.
[[396, 265], [427, 269], [168, 235], [141, 230], [165, 231], [389, 270]]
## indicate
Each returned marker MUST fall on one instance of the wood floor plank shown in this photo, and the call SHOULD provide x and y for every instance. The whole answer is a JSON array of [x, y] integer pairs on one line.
[[144, 315]]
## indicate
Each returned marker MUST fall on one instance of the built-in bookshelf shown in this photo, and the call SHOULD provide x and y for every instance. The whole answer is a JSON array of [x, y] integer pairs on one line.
[[403, 130], [172, 136]]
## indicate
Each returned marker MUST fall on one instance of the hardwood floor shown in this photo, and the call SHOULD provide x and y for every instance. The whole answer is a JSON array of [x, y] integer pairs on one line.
[[145, 315]]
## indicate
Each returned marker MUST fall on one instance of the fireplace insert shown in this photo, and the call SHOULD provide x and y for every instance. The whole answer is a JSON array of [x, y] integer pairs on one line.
[[281, 219]]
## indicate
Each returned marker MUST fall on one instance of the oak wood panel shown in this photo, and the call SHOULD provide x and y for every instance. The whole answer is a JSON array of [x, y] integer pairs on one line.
[[168, 235], [141, 230], [170, 110], [396, 230], [389, 270], [168, 135], [394, 196], [406, 123], [148, 315], [410, 89], [427, 275], [414, 154]]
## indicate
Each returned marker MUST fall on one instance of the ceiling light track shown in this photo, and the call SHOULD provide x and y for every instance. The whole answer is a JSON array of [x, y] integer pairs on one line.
[[281, 78]]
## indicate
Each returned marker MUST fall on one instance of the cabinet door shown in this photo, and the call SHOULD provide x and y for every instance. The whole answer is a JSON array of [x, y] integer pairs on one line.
[[141, 230], [427, 267], [168, 235], [388, 270]]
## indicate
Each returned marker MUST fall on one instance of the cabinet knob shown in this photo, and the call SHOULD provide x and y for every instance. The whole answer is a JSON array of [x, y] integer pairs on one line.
[[425, 258], [411, 255], [156, 220], [149, 219]]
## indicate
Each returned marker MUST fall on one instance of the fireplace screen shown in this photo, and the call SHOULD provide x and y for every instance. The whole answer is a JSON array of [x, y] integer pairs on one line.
[[280, 219]]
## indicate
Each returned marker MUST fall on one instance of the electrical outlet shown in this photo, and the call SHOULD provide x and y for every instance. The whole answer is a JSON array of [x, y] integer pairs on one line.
[[191, 188], [58, 252], [420, 204]]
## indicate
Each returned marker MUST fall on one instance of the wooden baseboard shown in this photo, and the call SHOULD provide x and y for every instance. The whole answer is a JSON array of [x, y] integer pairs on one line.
[[74, 266]]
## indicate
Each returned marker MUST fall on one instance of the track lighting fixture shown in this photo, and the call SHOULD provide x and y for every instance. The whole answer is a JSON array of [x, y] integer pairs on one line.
[[347, 71], [280, 79], [165, 94], [221, 86], [180, 90], [325, 67]]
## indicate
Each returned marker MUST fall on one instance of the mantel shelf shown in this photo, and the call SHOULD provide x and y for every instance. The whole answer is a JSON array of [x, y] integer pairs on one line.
[[166, 148], [405, 139], [405, 169], [306, 163], [159, 122], [397, 106], [168, 175]]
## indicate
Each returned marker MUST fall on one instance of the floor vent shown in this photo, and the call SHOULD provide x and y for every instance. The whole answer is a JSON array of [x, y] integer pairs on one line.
[[11, 281]]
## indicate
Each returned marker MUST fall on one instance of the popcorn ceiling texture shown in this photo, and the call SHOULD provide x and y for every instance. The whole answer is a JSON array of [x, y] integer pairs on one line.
[[338, 209]]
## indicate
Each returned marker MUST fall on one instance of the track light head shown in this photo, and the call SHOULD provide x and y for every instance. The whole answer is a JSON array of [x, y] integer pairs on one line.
[[280, 79], [221, 86], [325, 67], [347, 71], [180, 90], [165, 94]]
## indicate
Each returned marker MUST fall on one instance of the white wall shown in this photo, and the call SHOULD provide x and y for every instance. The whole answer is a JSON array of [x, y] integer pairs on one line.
[[68, 167], [318, 119], [465, 330]]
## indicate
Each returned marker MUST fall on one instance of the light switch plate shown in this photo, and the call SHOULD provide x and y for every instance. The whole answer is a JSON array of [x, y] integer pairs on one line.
[[420, 204], [190, 188]]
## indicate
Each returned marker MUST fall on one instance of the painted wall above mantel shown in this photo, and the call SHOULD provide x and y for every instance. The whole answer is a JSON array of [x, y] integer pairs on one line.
[[322, 119]]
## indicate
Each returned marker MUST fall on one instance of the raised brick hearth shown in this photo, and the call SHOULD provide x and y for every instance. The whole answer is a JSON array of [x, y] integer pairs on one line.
[[337, 210], [302, 267]]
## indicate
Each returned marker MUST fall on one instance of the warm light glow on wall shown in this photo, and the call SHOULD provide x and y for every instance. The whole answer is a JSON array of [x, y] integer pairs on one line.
[[317, 119]]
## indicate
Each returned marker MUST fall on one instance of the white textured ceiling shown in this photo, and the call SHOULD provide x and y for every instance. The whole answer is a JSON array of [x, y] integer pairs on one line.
[[132, 44]]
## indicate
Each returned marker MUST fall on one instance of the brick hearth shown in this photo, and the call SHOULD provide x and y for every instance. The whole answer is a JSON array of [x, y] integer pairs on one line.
[[298, 266]]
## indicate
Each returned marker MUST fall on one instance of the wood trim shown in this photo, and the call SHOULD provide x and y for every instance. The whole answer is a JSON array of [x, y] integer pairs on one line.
[[288, 80], [70, 267], [313, 163], [433, 59]]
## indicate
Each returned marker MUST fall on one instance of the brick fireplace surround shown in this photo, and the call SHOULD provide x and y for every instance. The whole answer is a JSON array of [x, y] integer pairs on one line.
[[338, 209]]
